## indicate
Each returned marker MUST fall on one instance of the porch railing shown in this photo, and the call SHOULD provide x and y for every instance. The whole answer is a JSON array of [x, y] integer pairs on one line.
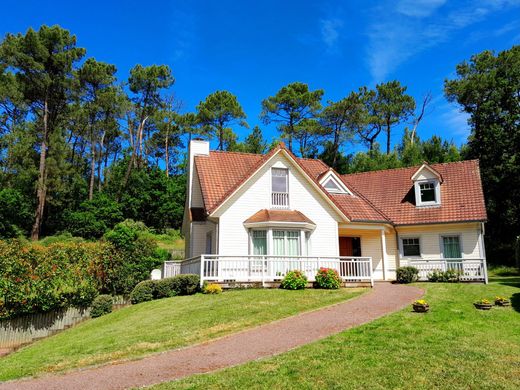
[[469, 270], [254, 268]]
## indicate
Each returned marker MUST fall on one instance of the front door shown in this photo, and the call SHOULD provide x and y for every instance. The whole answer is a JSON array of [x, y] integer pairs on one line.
[[349, 246]]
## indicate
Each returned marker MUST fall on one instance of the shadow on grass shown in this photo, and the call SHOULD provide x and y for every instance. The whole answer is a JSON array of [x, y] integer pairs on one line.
[[513, 281], [515, 301]]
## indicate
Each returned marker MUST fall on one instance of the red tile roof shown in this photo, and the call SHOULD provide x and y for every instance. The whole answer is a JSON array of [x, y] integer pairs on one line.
[[378, 196], [278, 216], [391, 191]]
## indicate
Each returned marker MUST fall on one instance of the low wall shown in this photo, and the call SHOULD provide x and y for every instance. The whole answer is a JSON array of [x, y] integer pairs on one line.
[[22, 330]]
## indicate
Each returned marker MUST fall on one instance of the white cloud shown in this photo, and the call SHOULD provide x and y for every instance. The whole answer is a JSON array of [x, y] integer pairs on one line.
[[456, 122], [330, 29], [402, 31]]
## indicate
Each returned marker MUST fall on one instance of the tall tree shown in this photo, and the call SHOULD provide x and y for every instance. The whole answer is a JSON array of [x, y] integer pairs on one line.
[[96, 79], [392, 107], [219, 111], [291, 105], [341, 120], [146, 84], [487, 87], [42, 62]]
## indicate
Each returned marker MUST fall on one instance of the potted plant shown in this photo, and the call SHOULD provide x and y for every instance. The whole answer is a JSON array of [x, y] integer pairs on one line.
[[483, 304], [502, 301], [420, 306]]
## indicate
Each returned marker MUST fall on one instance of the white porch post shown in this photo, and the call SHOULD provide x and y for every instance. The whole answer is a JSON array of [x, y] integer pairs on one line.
[[483, 251], [383, 251]]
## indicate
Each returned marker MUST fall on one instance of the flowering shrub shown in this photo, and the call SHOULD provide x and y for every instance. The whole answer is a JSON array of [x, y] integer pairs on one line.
[[483, 302], [294, 280], [213, 289], [450, 275], [328, 278], [421, 302]]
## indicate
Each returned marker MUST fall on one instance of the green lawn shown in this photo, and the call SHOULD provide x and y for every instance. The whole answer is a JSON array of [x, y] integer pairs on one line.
[[142, 329], [453, 347]]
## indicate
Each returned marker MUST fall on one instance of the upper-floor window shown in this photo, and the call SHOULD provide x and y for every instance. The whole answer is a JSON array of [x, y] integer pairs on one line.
[[427, 192], [280, 188], [427, 183]]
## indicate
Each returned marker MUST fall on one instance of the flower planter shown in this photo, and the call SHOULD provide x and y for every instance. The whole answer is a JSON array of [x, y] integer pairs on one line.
[[502, 302], [483, 306], [420, 308]]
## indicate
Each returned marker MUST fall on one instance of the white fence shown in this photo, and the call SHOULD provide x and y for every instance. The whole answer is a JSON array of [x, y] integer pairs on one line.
[[469, 270], [268, 268]]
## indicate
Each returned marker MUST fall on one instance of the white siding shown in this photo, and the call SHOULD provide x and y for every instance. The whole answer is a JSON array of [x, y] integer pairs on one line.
[[199, 233], [256, 195], [430, 238], [196, 193]]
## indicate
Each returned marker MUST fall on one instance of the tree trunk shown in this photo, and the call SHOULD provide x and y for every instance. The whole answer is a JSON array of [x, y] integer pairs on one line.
[[335, 148], [42, 175], [167, 155], [388, 139], [100, 159], [92, 165]]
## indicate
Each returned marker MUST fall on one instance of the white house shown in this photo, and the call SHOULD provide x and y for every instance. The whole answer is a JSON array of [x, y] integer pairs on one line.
[[251, 218]]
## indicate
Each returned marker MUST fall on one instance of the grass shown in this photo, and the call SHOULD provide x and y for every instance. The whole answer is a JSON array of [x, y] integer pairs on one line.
[[454, 346], [135, 331]]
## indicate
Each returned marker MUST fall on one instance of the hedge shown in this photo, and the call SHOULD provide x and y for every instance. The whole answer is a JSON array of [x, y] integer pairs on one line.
[[157, 289], [37, 278]]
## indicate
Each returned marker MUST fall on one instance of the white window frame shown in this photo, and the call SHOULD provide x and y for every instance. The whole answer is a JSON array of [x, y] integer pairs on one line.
[[302, 235], [437, 189], [401, 247], [286, 170], [441, 243]]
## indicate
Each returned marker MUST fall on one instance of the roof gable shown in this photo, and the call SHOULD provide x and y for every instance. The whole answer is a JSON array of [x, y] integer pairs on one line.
[[426, 172]]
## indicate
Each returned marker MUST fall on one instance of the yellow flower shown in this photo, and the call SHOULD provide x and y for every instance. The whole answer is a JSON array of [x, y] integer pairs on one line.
[[421, 302]]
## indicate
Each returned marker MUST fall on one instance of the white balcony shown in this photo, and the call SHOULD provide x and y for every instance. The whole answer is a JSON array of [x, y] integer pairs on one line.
[[280, 200]]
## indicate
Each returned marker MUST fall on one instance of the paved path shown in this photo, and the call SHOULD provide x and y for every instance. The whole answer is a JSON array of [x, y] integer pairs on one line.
[[262, 341]]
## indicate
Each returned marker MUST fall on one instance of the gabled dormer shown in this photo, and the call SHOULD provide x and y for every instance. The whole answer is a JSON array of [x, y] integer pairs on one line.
[[333, 184], [427, 185]]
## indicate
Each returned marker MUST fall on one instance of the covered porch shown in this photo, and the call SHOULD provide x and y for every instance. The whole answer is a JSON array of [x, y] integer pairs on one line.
[[269, 269]]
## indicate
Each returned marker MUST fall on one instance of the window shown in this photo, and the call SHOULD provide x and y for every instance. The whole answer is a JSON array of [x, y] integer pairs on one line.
[[280, 188], [451, 247], [286, 242], [427, 192], [411, 247], [331, 186], [259, 238]]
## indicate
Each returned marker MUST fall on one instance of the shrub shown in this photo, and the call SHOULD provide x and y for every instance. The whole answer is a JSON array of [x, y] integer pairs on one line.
[[213, 289], [143, 292], [164, 288], [36, 278], [294, 280], [447, 276], [407, 274], [101, 305], [328, 278], [138, 255]]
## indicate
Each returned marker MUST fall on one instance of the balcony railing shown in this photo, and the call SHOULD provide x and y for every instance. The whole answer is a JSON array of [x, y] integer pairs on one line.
[[263, 269], [280, 200], [469, 270]]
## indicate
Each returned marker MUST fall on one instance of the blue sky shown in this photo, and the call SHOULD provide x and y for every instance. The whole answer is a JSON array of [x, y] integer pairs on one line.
[[252, 48]]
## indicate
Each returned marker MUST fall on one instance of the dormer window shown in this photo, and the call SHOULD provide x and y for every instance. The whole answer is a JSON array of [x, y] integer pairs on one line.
[[427, 184], [280, 188], [427, 192]]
